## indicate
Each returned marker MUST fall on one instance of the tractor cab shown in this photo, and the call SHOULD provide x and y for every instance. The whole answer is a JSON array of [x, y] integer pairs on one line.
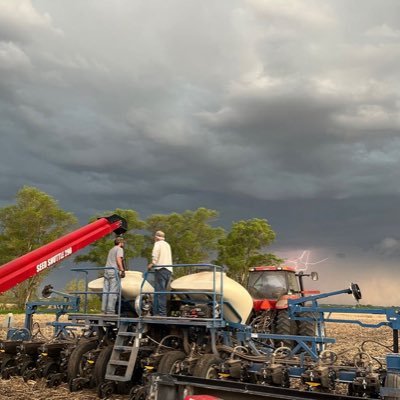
[[268, 284]]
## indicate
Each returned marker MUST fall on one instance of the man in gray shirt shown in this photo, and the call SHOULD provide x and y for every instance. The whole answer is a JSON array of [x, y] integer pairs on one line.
[[111, 282]]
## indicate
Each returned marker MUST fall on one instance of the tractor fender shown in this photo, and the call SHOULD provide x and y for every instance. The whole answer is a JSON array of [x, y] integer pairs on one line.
[[266, 305], [282, 302]]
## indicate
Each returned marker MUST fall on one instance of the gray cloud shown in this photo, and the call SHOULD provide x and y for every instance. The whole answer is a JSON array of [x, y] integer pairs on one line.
[[388, 247], [284, 110]]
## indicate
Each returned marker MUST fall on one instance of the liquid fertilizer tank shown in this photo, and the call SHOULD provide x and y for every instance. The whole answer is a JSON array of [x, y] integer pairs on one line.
[[130, 285], [234, 293]]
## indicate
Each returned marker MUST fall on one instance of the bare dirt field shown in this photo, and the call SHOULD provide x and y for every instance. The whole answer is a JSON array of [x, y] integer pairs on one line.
[[349, 339]]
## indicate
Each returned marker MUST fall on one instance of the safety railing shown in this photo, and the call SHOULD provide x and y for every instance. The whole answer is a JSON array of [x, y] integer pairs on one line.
[[216, 293], [87, 292]]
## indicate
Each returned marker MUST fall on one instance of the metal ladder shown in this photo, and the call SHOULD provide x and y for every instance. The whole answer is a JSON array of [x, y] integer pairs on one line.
[[126, 342]]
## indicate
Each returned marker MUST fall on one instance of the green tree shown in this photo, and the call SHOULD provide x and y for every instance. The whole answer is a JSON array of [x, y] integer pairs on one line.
[[134, 241], [266, 259], [93, 300], [190, 235], [36, 219], [242, 247]]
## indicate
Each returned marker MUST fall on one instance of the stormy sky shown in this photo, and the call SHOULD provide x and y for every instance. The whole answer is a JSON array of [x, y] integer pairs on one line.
[[284, 110]]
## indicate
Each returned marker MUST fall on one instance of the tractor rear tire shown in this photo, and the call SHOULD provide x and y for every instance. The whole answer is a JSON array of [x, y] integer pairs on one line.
[[100, 368], [310, 328], [285, 326], [168, 361], [307, 328], [206, 367], [75, 361], [392, 381]]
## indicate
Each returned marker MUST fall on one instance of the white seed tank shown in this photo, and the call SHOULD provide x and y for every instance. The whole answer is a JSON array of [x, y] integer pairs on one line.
[[130, 285], [234, 293]]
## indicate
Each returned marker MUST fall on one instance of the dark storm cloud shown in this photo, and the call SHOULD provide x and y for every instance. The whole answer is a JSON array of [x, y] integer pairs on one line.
[[282, 110]]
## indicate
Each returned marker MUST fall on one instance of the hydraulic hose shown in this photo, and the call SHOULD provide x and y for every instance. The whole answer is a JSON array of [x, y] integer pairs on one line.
[[232, 350]]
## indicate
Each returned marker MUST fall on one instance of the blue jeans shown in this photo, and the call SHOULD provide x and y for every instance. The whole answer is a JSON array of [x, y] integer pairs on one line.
[[162, 277], [111, 284]]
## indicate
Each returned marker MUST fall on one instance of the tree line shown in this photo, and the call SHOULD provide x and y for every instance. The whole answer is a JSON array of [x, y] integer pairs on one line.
[[36, 219]]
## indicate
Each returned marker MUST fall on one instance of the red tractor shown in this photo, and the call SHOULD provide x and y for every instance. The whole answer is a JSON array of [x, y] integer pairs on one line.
[[271, 287]]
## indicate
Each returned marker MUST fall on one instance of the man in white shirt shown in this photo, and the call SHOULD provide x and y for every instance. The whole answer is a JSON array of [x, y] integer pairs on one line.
[[161, 258]]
